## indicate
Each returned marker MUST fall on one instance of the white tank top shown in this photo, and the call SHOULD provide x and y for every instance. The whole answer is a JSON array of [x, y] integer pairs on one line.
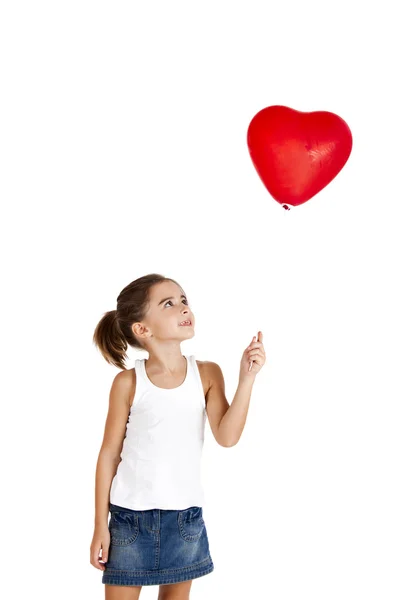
[[162, 448]]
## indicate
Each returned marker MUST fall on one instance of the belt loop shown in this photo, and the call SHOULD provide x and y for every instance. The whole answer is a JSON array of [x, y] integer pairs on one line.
[[156, 518]]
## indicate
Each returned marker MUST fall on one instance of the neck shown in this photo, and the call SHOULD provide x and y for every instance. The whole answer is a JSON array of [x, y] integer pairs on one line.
[[167, 362]]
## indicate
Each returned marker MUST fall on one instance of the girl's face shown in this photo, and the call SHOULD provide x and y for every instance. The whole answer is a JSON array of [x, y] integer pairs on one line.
[[168, 308]]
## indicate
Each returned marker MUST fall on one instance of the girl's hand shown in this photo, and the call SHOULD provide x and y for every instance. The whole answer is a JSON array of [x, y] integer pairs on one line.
[[253, 358], [101, 539]]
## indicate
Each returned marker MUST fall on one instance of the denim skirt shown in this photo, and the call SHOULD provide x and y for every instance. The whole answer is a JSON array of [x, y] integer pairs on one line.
[[156, 546]]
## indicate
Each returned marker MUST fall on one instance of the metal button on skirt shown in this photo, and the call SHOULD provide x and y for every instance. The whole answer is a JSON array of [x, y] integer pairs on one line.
[[156, 546]]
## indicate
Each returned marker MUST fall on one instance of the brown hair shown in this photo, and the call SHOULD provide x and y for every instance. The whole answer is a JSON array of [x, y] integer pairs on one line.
[[113, 332]]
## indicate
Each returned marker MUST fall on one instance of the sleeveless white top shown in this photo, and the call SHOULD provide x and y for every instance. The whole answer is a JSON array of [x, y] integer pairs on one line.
[[162, 448]]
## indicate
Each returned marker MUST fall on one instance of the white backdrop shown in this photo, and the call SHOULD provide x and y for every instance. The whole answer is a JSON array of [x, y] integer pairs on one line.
[[123, 152]]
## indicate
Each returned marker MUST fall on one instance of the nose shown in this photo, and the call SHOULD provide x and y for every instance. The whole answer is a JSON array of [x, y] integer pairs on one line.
[[185, 311]]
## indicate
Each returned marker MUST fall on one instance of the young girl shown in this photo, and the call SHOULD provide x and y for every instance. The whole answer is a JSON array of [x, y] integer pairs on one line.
[[148, 472]]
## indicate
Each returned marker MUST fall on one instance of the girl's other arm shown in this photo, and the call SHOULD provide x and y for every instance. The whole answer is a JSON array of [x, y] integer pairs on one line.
[[110, 451]]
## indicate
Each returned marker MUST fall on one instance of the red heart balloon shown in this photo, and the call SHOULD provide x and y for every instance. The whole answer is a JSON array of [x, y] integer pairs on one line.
[[296, 154]]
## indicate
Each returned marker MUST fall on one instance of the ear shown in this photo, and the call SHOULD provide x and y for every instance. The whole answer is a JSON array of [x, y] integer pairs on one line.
[[141, 331]]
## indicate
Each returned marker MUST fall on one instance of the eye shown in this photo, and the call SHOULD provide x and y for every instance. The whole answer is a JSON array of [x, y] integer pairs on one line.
[[184, 300]]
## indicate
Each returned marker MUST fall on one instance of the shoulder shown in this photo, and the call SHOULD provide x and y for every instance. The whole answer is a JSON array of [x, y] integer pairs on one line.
[[209, 366], [213, 370], [210, 373], [126, 380]]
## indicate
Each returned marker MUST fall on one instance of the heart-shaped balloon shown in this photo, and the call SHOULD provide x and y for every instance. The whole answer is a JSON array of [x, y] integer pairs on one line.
[[296, 154]]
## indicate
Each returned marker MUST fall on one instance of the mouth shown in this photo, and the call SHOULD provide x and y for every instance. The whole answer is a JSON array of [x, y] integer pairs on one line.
[[187, 323]]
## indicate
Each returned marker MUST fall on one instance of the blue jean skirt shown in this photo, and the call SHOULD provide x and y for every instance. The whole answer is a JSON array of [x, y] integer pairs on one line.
[[156, 546]]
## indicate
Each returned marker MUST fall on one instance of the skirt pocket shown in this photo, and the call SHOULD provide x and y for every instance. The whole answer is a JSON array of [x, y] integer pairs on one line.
[[191, 523], [124, 528]]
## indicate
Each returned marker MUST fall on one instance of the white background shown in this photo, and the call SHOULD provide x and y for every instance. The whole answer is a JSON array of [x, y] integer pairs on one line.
[[123, 152]]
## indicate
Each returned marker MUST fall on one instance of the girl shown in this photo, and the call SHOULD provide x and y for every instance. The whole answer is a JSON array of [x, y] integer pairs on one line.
[[148, 470]]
